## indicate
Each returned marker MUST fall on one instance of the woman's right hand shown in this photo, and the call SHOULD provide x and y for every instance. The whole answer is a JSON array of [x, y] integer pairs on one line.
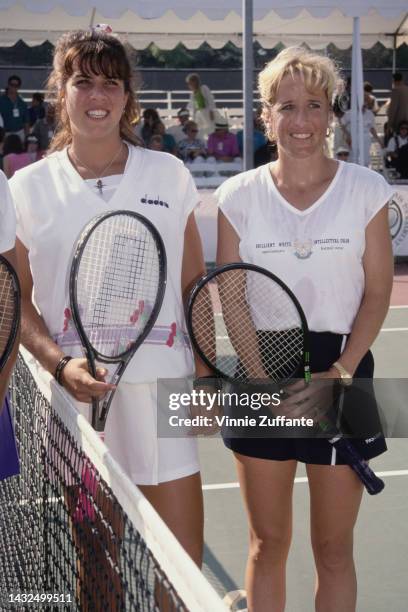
[[77, 380]]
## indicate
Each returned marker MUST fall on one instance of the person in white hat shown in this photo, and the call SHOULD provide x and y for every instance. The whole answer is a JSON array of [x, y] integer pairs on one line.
[[178, 130], [342, 153], [222, 144]]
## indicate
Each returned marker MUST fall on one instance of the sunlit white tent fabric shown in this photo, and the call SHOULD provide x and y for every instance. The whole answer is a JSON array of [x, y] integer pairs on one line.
[[167, 22]]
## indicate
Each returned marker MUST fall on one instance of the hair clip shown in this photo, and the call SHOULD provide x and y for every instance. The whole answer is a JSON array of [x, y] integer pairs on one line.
[[102, 27]]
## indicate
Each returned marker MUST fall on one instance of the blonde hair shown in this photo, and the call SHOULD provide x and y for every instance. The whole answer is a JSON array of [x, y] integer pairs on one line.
[[318, 72], [93, 52]]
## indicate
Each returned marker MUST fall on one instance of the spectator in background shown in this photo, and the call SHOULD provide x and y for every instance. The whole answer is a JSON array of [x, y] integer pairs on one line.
[[397, 109], [191, 147], [177, 131], [397, 150], [44, 128], [156, 143], [222, 144], [370, 100], [201, 104], [37, 109], [341, 137], [258, 136], [145, 130], [2, 136], [169, 144], [369, 132], [14, 155], [342, 153], [13, 109], [342, 100]]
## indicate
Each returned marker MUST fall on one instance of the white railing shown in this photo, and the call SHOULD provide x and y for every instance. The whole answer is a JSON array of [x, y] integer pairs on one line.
[[228, 101]]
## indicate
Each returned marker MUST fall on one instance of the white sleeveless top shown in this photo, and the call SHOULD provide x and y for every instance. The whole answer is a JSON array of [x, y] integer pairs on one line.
[[317, 252], [54, 204]]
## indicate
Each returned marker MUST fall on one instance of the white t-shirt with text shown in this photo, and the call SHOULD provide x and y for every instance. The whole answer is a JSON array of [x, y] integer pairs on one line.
[[317, 252]]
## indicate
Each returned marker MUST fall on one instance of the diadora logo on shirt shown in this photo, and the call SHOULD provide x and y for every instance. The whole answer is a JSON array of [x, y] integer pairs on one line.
[[154, 201]]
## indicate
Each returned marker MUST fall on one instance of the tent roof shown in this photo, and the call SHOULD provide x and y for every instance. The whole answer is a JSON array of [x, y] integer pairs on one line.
[[167, 22]]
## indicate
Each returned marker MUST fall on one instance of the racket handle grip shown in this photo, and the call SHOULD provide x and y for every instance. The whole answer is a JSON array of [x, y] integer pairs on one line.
[[372, 483], [97, 422]]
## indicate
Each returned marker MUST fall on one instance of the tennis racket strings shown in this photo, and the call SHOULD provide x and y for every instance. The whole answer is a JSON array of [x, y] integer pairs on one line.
[[247, 326], [117, 284]]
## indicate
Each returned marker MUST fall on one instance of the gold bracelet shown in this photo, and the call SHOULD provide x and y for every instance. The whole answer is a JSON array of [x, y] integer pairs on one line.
[[346, 379]]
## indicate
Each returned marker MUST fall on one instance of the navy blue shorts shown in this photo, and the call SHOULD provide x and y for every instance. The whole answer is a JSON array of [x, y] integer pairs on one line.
[[325, 349]]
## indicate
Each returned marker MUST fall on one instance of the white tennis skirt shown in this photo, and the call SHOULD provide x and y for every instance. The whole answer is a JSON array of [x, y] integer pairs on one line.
[[131, 436]]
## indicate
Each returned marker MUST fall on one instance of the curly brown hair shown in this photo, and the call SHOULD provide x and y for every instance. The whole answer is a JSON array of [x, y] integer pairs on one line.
[[94, 52]]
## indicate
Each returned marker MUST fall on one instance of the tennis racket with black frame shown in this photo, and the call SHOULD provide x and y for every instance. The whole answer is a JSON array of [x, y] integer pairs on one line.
[[116, 286], [247, 325], [10, 309]]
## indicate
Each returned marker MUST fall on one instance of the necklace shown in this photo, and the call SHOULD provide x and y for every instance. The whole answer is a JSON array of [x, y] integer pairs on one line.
[[99, 184]]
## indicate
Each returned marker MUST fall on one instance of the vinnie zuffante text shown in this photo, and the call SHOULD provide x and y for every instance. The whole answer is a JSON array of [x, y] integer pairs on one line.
[[201, 400]]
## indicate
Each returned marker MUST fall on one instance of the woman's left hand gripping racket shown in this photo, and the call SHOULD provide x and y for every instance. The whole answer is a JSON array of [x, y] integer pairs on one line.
[[10, 309], [116, 286], [247, 325]]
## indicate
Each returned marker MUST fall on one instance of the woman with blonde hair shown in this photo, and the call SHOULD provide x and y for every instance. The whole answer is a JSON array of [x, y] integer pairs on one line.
[[94, 165], [321, 226]]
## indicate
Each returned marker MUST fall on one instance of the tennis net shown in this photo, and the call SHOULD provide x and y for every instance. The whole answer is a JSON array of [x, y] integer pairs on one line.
[[75, 533]]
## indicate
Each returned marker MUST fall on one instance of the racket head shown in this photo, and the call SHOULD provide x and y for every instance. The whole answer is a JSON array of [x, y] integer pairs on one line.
[[245, 324], [10, 309], [117, 284]]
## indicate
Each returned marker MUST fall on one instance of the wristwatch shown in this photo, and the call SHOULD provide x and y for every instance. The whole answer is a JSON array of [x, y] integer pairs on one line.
[[346, 379]]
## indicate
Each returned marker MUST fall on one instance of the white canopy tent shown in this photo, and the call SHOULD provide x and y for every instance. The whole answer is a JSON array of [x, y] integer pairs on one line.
[[167, 22]]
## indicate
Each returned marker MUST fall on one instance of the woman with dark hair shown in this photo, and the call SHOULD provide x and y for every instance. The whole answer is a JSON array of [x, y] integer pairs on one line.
[[94, 165], [169, 144], [17, 156], [13, 144], [145, 130]]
